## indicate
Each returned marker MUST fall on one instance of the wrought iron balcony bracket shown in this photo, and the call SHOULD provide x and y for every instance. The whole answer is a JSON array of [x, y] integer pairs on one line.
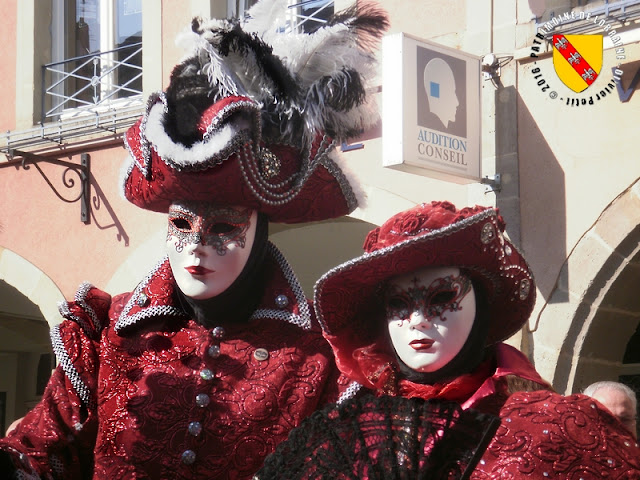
[[19, 159], [494, 183]]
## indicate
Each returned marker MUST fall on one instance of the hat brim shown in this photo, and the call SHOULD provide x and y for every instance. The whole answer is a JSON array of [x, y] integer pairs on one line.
[[232, 166], [475, 244]]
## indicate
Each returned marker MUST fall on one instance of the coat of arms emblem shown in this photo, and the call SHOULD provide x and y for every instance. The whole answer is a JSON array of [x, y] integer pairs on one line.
[[577, 59]]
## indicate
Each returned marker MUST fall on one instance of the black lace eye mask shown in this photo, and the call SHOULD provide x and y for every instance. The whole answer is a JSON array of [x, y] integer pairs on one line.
[[443, 294], [211, 225]]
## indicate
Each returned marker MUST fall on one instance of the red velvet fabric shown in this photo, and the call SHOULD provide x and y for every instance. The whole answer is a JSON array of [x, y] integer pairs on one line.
[[543, 435], [428, 235], [308, 186], [145, 380], [420, 220]]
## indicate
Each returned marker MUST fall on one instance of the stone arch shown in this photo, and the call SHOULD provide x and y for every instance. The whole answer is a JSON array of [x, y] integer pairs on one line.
[[32, 283], [585, 336]]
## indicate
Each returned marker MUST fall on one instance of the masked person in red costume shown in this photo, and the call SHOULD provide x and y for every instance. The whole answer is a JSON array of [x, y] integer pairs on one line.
[[216, 355], [419, 321]]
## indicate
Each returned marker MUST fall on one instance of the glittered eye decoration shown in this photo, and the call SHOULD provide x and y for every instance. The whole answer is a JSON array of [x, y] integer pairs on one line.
[[221, 229], [213, 226], [398, 306], [444, 294], [181, 224]]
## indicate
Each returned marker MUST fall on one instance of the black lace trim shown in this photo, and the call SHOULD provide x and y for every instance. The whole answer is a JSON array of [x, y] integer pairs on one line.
[[384, 438]]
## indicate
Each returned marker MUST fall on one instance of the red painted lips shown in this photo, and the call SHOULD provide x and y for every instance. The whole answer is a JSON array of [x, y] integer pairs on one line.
[[421, 344], [193, 270]]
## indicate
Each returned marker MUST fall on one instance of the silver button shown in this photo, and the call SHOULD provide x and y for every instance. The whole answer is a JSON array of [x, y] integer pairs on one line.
[[261, 354], [206, 374], [282, 301], [487, 234], [214, 351], [202, 400], [217, 332], [188, 457], [142, 300], [195, 428]]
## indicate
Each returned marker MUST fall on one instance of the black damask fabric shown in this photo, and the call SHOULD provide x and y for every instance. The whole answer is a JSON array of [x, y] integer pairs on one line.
[[384, 438]]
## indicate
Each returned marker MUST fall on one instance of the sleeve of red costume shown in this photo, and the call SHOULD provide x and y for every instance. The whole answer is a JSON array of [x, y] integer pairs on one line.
[[56, 438], [546, 435]]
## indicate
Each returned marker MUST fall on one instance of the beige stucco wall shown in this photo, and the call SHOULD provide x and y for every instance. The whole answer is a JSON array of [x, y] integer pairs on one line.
[[570, 166], [575, 161]]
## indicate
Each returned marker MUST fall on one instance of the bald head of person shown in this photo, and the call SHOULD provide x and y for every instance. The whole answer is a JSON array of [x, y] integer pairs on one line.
[[619, 399]]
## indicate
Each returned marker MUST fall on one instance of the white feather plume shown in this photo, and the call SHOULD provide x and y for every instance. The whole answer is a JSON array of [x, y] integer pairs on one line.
[[322, 64]]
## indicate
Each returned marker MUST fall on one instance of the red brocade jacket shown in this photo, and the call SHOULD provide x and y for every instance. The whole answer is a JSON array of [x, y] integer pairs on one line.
[[142, 391], [543, 435]]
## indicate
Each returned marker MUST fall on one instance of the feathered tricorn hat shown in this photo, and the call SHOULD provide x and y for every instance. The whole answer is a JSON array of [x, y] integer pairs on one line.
[[252, 115]]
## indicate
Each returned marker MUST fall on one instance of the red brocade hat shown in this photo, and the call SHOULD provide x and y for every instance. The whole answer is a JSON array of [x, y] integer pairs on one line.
[[250, 123], [428, 235], [232, 167]]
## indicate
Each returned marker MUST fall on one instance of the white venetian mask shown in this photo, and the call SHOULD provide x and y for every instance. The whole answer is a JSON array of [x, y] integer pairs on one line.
[[208, 246], [429, 314]]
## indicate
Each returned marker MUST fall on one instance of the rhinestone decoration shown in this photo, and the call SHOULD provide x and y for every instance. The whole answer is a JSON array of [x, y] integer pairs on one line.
[[487, 234], [261, 354], [525, 286], [269, 164], [507, 250], [213, 351], [282, 301], [218, 332], [202, 400], [188, 457], [206, 374], [143, 300], [195, 428]]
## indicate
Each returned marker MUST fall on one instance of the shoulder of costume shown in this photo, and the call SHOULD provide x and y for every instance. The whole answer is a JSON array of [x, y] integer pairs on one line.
[[546, 416], [74, 340], [511, 361], [154, 297], [284, 298], [89, 309]]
